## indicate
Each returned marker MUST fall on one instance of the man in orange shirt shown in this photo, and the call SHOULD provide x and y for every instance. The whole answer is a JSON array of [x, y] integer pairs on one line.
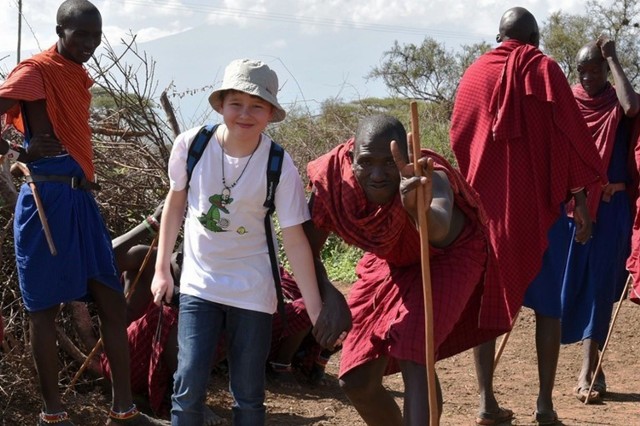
[[47, 99]]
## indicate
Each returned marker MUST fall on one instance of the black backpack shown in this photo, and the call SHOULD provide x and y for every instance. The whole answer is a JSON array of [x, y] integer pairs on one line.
[[274, 168]]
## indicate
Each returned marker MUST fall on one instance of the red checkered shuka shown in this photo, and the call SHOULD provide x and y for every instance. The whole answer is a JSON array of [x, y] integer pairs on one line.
[[521, 142], [386, 301], [603, 114]]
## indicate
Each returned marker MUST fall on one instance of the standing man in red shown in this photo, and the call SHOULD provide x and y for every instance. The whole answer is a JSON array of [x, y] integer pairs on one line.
[[523, 145], [596, 271], [47, 98]]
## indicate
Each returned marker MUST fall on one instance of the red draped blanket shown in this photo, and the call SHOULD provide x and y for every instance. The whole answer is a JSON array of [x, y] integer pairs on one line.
[[386, 301], [603, 114], [522, 144], [65, 86]]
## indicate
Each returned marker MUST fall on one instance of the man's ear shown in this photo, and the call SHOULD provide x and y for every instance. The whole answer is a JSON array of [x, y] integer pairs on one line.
[[498, 38], [59, 30]]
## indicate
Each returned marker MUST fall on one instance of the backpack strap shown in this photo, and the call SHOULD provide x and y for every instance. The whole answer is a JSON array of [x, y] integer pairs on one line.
[[197, 147], [274, 168]]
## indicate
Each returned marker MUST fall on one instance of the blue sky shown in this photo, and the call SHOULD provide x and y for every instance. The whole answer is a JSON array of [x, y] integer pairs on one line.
[[321, 49]]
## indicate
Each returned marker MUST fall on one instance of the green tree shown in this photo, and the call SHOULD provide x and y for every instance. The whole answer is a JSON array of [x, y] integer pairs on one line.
[[563, 34], [428, 71]]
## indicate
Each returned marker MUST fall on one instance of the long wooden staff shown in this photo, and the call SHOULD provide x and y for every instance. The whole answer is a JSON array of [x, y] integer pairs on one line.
[[98, 344], [606, 342], [434, 418], [504, 341], [39, 207]]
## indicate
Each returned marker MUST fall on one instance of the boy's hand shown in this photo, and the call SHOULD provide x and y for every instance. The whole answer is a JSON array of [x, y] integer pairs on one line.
[[162, 287]]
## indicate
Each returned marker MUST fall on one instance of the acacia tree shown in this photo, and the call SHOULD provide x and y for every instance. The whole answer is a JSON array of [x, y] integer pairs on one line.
[[427, 71], [563, 34]]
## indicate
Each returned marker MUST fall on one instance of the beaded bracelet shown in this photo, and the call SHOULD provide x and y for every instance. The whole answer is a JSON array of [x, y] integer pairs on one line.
[[152, 225]]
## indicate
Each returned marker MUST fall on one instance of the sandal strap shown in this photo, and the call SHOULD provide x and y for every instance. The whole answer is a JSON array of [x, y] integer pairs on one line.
[[54, 418], [129, 414], [278, 367]]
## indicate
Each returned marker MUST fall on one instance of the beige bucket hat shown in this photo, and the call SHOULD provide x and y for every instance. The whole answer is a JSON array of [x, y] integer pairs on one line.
[[252, 77]]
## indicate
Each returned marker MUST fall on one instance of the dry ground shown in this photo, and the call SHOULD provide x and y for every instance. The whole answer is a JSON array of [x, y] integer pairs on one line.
[[516, 387]]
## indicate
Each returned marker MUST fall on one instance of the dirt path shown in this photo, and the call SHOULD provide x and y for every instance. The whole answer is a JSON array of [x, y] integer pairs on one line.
[[515, 383]]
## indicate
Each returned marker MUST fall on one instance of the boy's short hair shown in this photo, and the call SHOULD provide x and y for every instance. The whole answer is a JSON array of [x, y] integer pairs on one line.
[[254, 78]]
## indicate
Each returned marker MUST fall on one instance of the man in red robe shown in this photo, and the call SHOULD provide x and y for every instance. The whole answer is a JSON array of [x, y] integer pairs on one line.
[[359, 195], [596, 272], [523, 145]]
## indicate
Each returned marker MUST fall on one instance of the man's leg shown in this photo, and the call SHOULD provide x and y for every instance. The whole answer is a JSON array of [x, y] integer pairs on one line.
[[489, 411], [548, 349], [45, 356], [589, 362], [363, 386], [483, 356], [416, 394], [113, 330]]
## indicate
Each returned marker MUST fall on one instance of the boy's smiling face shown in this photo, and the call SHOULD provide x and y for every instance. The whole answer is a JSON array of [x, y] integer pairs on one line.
[[246, 116]]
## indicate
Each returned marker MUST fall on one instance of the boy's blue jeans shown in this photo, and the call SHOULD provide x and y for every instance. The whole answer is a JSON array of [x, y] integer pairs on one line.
[[248, 334]]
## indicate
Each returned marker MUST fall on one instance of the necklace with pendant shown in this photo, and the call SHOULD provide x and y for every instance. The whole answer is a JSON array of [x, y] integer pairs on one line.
[[226, 189]]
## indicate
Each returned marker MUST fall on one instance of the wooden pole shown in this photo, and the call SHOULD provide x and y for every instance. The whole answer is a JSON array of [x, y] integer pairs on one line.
[[19, 31], [98, 345], [39, 207], [434, 415], [503, 342], [606, 342]]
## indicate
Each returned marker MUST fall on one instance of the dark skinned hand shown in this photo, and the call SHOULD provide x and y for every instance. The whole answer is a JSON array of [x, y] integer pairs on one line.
[[409, 181], [334, 319]]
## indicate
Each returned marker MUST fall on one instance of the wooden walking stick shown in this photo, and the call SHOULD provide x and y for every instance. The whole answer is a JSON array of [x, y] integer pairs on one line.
[[434, 418], [98, 344], [504, 341], [39, 207], [606, 341]]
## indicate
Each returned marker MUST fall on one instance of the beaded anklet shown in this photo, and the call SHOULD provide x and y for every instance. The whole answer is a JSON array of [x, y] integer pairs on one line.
[[54, 418], [129, 414]]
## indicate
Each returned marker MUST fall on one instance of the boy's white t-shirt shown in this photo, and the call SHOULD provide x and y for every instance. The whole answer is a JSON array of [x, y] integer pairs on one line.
[[228, 261]]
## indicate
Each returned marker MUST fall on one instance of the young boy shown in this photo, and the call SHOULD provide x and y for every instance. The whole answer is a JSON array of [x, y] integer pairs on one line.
[[226, 279], [47, 99]]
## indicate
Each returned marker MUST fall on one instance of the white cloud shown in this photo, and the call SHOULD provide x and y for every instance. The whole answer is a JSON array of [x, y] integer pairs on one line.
[[320, 48]]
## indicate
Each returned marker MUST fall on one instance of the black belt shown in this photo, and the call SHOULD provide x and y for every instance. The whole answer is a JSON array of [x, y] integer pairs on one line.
[[73, 181]]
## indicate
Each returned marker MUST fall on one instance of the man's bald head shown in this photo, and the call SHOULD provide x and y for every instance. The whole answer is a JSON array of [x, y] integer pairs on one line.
[[518, 23], [70, 10], [589, 52]]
